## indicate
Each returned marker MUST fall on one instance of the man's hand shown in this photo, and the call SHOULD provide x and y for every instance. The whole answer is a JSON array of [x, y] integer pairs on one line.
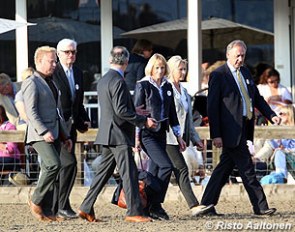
[[276, 120], [139, 110], [48, 137], [88, 124], [68, 145], [217, 142], [151, 123]]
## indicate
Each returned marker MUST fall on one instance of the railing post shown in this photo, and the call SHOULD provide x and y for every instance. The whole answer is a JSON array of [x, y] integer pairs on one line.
[[80, 168]]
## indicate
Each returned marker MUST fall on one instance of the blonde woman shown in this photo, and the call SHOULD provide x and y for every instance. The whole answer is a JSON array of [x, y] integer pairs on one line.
[[178, 70], [155, 93]]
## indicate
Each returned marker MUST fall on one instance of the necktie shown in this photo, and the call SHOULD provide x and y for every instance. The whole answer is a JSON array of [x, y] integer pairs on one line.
[[245, 96], [71, 82]]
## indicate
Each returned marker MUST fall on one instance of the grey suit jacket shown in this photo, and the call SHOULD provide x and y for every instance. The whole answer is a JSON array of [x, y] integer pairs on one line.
[[41, 109], [118, 118], [185, 120]]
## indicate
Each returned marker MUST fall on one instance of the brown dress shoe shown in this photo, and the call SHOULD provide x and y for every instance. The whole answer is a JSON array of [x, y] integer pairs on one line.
[[137, 219], [88, 217], [37, 212]]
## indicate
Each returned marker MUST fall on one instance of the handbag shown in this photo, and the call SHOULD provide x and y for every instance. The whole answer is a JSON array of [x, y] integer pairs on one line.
[[142, 194], [119, 195]]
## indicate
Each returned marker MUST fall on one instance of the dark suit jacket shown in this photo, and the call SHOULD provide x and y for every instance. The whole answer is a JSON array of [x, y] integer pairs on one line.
[[225, 106], [118, 118], [148, 95], [72, 108], [135, 70]]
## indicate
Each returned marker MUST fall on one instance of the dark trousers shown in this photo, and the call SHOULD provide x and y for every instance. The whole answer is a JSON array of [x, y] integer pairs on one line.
[[50, 165], [66, 180], [160, 166], [240, 157], [180, 170], [122, 156]]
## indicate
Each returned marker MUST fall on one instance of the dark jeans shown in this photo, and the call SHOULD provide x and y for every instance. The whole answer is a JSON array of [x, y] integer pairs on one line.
[[181, 173]]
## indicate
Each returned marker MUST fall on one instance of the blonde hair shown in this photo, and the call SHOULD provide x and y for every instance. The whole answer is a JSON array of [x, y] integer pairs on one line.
[[27, 73], [151, 63], [288, 109], [174, 63], [40, 51]]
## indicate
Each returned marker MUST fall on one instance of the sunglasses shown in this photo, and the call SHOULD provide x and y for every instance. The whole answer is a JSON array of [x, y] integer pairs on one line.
[[67, 52]]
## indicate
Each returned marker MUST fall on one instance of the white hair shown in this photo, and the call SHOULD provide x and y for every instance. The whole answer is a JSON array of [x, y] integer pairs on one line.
[[61, 46]]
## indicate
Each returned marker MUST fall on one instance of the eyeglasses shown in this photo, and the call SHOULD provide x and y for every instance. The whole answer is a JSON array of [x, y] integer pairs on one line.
[[282, 113], [274, 81], [73, 52]]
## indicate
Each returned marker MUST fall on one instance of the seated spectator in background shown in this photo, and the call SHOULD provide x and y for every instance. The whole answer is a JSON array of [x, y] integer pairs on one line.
[[8, 89], [276, 150], [19, 101], [274, 93], [260, 76], [9, 153], [206, 74], [139, 56]]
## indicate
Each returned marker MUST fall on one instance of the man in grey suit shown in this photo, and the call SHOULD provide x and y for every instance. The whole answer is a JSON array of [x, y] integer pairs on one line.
[[46, 127], [117, 135]]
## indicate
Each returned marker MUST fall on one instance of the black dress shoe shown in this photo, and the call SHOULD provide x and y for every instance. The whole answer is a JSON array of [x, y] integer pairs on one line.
[[211, 212], [67, 214], [269, 211], [157, 212]]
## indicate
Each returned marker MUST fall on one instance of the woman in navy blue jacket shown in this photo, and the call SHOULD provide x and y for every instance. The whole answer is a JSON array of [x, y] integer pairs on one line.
[[155, 94]]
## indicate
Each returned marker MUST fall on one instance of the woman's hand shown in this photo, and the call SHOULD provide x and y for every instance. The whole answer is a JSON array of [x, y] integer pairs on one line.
[[137, 147], [199, 145], [181, 143]]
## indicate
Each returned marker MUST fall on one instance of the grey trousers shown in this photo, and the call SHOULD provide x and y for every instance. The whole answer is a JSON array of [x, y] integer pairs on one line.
[[50, 166], [122, 156], [180, 170]]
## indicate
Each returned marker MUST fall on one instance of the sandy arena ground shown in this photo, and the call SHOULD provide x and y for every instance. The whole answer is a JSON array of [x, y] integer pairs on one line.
[[238, 217]]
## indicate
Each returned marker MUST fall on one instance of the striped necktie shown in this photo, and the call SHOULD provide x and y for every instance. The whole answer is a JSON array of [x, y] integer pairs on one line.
[[245, 95]]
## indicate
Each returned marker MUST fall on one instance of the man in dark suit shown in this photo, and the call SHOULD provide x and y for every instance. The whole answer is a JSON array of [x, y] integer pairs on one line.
[[46, 127], [232, 97], [69, 80], [117, 135], [141, 52]]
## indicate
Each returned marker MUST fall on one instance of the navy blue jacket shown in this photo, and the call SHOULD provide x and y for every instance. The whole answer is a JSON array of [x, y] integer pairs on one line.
[[225, 106], [148, 95]]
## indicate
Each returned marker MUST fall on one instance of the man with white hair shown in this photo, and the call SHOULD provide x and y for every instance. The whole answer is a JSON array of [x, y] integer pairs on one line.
[[69, 80]]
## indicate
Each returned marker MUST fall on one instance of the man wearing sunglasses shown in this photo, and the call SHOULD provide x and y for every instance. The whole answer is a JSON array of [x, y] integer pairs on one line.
[[69, 80]]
